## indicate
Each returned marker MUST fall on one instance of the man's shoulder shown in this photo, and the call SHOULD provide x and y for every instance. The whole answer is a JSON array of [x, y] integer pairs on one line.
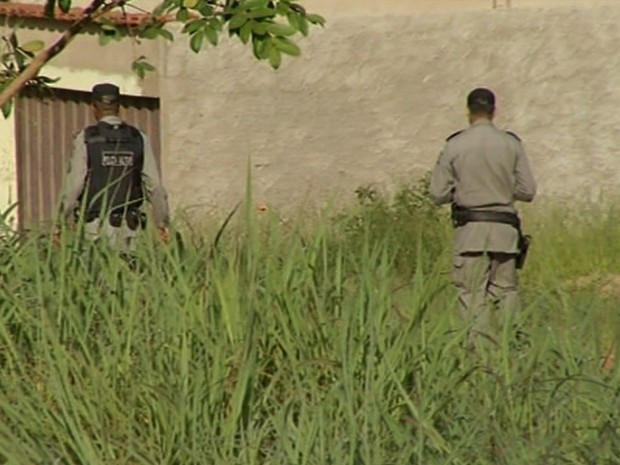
[[513, 135], [455, 135]]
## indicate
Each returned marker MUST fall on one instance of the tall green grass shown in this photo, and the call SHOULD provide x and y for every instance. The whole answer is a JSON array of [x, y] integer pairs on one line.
[[332, 340]]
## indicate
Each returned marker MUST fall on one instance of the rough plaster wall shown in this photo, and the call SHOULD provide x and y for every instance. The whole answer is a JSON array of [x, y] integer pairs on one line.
[[372, 99]]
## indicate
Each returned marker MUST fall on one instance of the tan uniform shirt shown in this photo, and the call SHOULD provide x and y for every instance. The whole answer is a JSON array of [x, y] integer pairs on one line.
[[78, 170], [486, 169]]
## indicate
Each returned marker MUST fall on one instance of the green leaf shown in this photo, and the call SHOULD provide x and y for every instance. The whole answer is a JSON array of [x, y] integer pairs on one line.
[[211, 35], [284, 45], [33, 46], [246, 32], [104, 39], [166, 34], [259, 29], [189, 3], [150, 33], [50, 5], [6, 108], [196, 41], [238, 20], [260, 47], [182, 15], [25, 53], [293, 19], [140, 66], [297, 7], [65, 5], [13, 39], [47, 79], [281, 29], [205, 9], [20, 59], [253, 4], [303, 25], [282, 8], [275, 57], [216, 23], [316, 19], [261, 13], [107, 26], [193, 26]]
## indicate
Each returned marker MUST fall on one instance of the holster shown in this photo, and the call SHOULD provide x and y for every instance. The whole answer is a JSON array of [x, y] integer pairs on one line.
[[524, 245], [461, 216]]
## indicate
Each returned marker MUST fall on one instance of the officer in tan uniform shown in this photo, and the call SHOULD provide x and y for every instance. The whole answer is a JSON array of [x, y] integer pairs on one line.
[[482, 171], [112, 171]]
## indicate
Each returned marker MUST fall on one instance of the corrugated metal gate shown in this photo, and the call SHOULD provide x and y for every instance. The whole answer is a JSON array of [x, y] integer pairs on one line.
[[44, 130]]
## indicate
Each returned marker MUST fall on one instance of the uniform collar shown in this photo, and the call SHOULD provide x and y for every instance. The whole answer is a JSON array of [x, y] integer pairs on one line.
[[111, 120], [482, 122]]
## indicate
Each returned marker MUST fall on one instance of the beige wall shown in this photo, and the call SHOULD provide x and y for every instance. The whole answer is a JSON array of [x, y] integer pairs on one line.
[[338, 8], [372, 102]]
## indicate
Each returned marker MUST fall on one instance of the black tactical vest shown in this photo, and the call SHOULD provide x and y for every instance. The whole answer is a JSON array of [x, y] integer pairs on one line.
[[115, 160]]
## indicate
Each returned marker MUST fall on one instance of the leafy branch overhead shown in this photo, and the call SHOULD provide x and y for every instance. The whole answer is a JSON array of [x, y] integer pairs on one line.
[[15, 58], [268, 26]]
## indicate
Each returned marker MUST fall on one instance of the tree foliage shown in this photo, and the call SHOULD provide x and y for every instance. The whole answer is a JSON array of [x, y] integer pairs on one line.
[[267, 26]]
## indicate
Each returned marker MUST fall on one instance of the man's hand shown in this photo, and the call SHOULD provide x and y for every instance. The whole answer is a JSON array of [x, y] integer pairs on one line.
[[164, 234]]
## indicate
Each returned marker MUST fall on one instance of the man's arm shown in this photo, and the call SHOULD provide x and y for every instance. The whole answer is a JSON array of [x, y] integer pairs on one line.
[[74, 180], [155, 192], [442, 180], [525, 184]]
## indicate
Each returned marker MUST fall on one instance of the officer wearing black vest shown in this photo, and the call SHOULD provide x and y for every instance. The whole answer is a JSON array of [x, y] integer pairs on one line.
[[112, 171]]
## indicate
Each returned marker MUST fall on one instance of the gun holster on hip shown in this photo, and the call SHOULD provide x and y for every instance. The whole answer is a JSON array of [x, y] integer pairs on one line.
[[461, 216]]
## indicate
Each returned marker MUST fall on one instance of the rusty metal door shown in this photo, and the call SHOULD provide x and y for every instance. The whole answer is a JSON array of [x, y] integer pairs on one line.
[[44, 130]]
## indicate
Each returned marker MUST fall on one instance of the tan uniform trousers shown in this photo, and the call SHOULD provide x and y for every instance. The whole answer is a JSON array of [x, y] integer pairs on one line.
[[487, 285], [121, 238]]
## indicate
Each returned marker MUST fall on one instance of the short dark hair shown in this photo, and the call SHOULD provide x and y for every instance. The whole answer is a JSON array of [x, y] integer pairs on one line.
[[481, 101]]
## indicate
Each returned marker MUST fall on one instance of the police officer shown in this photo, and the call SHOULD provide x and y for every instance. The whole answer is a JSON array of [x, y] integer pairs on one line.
[[112, 171], [482, 171]]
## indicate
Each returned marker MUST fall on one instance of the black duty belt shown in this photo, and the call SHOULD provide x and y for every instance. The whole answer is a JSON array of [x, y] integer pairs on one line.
[[461, 216], [134, 218]]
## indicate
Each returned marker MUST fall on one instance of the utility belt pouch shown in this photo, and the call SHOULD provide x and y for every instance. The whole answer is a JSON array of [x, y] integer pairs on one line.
[[89, 216], [136, 219], [458, 215], [116, 219]]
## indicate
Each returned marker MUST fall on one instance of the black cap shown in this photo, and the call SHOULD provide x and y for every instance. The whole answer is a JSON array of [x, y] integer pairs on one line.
[[481, 97], [106, 93]]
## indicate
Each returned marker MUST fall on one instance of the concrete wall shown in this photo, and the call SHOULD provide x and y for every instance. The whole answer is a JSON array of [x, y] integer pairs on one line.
[[373, 98], [338, 8]]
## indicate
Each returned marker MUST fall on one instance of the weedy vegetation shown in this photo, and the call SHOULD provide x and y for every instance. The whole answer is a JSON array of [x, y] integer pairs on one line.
[[329, 340]]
